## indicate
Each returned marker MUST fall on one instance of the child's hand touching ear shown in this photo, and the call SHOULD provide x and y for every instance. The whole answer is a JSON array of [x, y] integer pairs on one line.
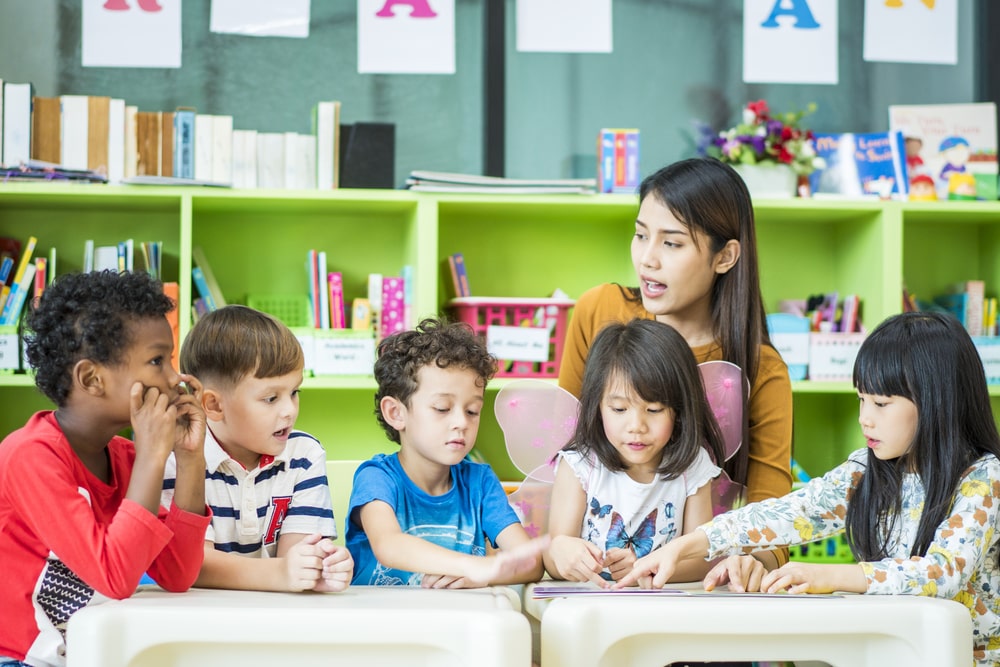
[[189, 432]]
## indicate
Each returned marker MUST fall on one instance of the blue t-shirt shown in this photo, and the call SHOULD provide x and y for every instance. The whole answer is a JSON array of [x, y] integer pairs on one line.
[[473, 510]]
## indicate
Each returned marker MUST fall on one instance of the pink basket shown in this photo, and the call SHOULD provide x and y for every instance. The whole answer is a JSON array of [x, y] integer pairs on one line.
[[483, 312]]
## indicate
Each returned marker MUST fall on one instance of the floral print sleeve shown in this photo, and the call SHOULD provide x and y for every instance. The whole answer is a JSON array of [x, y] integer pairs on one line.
[[961, 544], [813, 512]]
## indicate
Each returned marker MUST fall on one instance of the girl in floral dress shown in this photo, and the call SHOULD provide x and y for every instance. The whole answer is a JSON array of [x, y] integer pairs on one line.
[[919, 507]]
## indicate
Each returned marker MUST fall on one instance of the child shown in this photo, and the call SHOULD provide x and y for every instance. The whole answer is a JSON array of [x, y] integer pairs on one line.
[[422, 516], [80, 517], [635, 473], [266, 483], [695, 257], [919, 507]]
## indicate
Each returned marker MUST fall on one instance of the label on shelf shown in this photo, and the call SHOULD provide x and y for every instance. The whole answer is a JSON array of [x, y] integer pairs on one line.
[[10, 359], [344, 352]]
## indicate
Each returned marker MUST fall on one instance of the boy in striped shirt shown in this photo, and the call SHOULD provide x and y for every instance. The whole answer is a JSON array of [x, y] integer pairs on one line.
[[265, 482]]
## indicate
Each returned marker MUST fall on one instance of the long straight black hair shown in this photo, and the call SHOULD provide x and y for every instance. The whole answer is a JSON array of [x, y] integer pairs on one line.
[[710, 197], [927, 358], [655, 361]]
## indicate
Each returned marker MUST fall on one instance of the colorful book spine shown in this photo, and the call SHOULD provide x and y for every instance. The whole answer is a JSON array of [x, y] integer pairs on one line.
[[335, 284], [393, 306], [41, 280], [618, 160], [323, 290], [18, 295], [202, 286], [361, 315], [184, 143], [23, 267], [5, 270], [459, 275]]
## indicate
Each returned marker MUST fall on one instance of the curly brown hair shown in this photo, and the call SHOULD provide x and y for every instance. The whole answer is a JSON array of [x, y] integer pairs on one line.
[[434, 341]]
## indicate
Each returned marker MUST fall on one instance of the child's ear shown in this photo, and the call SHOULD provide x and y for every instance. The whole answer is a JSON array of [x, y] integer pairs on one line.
[[212, 403], [393, 411], [726, 258], [87, 376]]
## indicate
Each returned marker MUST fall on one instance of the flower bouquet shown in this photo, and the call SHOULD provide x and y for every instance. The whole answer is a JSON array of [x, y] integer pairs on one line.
[[764, 137]]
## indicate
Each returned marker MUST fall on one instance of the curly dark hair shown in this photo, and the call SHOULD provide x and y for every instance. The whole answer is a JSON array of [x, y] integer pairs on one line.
[[434, 341], [87, 316]]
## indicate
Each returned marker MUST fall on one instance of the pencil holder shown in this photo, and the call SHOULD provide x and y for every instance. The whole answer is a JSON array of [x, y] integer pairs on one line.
[[526, 335]]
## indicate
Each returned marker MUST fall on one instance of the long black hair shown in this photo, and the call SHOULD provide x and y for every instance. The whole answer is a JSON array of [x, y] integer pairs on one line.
[[927, 358]]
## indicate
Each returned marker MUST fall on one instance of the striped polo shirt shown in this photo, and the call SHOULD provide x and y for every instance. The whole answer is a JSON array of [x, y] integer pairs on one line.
[[250, 508]]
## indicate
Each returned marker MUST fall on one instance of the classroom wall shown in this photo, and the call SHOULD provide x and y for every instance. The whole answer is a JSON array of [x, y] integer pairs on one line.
[[674, 61]]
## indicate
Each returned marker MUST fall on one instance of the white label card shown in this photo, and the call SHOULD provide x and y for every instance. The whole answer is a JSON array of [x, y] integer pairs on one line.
[[518, 343]]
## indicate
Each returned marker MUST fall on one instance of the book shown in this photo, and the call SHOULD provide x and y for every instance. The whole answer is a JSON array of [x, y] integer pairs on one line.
[[148, 143], [312, 271], [270, 160], [459, 276], [16, 123], [323, 290], [183, 144], [869, 164], [200, 284], [222, 149], [326, 127], [945, 140], [245, 159], [18, 297], [335, 282], [172, 290], [211, 283], [131, 141], [393, 311], [74, 118], [45, 129], [437, 181], [300, 161], [6, 269], [361, 314], [41, 280], [116, 140], [106, 258], [618, 160], [98, 132], [166, 143], [204, 126], [965, 301]]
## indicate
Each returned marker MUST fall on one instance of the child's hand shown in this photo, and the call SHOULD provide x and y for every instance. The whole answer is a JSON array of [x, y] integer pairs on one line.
[[189, 433], [505, 565], [619, 562], [815, 578], [338, 568], [154, 420], [651, 571], [304, 564], [576, 559], [443, 581], [742, 573]]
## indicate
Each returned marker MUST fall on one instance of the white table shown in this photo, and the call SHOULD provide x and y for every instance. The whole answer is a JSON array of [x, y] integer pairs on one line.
[[364, 625], [847, 631]]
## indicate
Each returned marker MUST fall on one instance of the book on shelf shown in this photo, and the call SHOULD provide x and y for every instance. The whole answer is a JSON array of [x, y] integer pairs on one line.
[[16, 123], [459, 275], [270, 160], [222, 149], [335, 284], [869, 164], [18, 297], [166, 143], [312, 273], [300, 161], [183, 147], [326, 127], [148, 143], [153, 179], [966, 301], [211, 283], [392, 319], [116, 140], [323, 290], [131, 141], [98, 129], [436, 181], [200, 284], [6, 271], [618, 160], [46, 129], [946, 140], [204, 126], [245, 159], [106, 258], [41, 280]]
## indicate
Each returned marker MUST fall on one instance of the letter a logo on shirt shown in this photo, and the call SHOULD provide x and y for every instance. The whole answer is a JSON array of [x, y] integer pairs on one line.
[[280, 505]]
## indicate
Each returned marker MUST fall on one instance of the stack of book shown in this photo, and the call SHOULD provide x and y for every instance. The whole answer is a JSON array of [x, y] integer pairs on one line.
[[437, 181]]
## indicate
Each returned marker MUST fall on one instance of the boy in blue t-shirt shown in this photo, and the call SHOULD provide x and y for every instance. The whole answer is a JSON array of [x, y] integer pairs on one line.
[[423, 516]]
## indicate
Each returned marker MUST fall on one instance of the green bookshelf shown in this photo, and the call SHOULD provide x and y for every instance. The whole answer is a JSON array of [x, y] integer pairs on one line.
[[514, 246]]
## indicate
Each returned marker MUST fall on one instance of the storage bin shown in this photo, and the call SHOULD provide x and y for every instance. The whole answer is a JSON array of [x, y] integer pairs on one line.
[[526, 335], [292, 309], [989, 351], [832, 355], [790, 336]]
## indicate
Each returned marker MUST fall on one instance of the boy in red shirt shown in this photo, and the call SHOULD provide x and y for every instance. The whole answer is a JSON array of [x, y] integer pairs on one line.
[[80, 514]]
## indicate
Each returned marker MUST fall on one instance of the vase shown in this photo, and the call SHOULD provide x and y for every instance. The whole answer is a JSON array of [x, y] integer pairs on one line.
[[768, 181]]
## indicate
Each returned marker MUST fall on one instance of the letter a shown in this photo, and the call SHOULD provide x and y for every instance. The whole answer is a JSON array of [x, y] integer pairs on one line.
[[122, 5], [799, 9], [421, 9]]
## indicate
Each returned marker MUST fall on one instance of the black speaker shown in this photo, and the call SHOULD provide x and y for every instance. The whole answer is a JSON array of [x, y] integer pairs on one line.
[[368, 155]]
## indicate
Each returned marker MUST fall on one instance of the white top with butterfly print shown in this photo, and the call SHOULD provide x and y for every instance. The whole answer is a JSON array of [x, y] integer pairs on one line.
[[622, 512]]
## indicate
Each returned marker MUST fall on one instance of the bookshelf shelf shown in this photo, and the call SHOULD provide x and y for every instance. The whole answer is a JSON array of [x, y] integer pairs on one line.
[[514, 246]]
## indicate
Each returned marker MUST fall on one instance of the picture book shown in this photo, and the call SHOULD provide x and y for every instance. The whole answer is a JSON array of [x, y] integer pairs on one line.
[[459, 276], [869, 164], [948, 143]]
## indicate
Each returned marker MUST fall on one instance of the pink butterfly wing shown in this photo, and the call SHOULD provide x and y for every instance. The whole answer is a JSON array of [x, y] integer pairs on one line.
[[537, 419], [722, 380]]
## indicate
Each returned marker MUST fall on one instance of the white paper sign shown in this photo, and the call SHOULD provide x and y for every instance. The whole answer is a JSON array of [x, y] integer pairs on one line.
[[308, 343], [344, 355], [912, 31], [131, 33], [406, 36], [9, 359], [518, 343], [989, 352], [793, 347], [564, 26], [790, 41], [261, 18]]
